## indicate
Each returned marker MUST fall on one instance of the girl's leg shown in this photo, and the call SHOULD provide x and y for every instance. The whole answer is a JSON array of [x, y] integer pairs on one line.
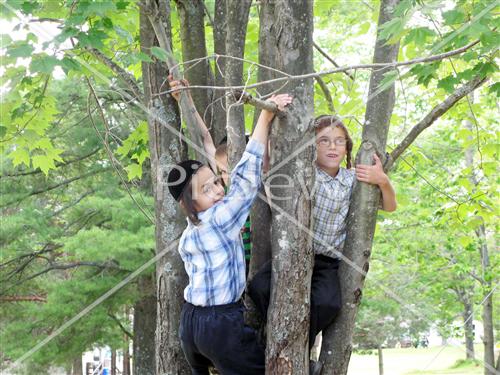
[[325, 295]]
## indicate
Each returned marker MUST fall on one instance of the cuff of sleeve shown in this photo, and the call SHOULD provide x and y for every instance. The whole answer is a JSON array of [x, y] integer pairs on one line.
[[255, 148]]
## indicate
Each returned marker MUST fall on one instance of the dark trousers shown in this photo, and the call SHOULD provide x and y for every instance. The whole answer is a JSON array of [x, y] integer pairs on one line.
[[325, 293], [217, 336]]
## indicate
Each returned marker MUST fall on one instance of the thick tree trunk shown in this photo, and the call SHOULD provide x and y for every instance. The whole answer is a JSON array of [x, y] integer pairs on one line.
[[192, 21], [145, 327], [218, 129], [288, 318], [237, 19], [165, 150], [261, 213], [337, 340]]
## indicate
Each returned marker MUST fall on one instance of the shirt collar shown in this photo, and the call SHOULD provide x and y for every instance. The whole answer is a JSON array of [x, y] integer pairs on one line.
[[340, 177]]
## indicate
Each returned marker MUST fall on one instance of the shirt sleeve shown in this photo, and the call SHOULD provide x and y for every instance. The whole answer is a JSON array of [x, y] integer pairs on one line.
[[246, 179]]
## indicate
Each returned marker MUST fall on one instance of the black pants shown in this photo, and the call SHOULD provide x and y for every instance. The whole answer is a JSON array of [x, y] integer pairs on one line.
[[325, 293], [217, 335]]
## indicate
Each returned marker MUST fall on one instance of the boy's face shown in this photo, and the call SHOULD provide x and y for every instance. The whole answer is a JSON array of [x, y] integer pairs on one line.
[[330, 149], [207, 189], [221, 161]]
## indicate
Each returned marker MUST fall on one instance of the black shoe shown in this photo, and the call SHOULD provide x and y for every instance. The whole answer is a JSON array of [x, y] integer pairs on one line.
[[315, 367]]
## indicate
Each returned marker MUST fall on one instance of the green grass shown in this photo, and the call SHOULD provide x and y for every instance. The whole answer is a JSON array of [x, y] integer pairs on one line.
[[419, 361]]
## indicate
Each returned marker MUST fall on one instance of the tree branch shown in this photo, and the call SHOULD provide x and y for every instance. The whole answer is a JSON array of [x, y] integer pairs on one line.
[[320, 50], [23, 299], [58, 164], [124, 330], [63, 183], [326, 92], [289, 78], [122, 73], [432, 116]]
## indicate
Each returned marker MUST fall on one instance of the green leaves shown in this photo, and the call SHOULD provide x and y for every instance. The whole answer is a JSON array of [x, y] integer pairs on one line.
[[136, 147], [43, 64], [20, 49]]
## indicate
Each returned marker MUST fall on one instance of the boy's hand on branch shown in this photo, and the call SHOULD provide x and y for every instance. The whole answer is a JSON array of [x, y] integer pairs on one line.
[[372, 174], [176, 85]]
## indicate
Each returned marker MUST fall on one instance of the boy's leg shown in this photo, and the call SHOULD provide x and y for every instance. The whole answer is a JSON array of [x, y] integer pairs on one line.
[[326, 299], [259, 289], [199, 364]]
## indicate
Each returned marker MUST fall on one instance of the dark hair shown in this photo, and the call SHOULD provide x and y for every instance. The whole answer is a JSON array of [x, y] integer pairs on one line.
[[324, 121], [187, 203]]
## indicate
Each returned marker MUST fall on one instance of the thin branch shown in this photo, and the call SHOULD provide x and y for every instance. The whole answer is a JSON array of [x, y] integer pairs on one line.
[[111, 156], [62, 183], [432, 116], [72, 204], [320, 50], [23, 299], [58, 164], [122, 73], [124, 330], [326, 93], [288, 78]]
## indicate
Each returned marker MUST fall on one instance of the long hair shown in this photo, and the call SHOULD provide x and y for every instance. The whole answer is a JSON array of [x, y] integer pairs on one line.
[[324, 121], [187, 203]]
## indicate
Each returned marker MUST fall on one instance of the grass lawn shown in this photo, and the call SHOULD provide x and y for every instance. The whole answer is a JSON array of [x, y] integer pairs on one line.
[[418, 361]]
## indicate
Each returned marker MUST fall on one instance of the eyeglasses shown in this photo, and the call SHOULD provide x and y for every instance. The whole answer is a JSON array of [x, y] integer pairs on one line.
[[327, 142], [209, 187]]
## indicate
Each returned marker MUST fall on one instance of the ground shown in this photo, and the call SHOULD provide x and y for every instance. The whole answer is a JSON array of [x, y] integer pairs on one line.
[[418, 361]]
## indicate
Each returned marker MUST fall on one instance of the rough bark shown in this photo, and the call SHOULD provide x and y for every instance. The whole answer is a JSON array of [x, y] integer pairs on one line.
[[192, 30], [237, 19], [288, 317], [261, 213], [145, 327], [218, 129], [337, 340], [165, 150]]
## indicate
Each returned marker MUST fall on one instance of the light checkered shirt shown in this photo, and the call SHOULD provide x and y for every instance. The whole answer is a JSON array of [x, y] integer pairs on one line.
[[332, 196], [212, 251]]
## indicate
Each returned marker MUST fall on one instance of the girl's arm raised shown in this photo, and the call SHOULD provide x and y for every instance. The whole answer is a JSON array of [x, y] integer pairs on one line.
[[374, 174], [208, 143]]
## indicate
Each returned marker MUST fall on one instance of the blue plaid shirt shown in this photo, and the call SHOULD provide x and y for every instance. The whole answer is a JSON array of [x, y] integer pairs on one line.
[[212, 251]]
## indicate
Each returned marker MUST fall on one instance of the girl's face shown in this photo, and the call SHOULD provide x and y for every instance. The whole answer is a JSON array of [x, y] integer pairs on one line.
[[207, 189], [330, 149]]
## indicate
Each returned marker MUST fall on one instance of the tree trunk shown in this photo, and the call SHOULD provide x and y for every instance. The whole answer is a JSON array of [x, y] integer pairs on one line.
[[288, 318], [126, 359], [144, 327], [165, 150], [380, 361], [469, 330], [192, 21], [237, 19], [337, 340], [487, 314], [218, 129], [77, 367], [113, 362], [488, 336]]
